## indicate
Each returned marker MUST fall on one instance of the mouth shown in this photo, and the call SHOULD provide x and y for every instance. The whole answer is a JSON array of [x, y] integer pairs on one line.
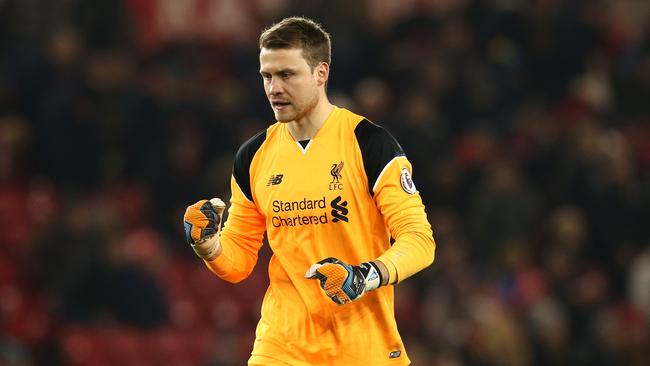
[[279, 105]]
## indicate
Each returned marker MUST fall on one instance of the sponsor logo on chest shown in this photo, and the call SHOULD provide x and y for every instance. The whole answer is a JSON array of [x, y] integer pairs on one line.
[[309, 211], [298, 210]]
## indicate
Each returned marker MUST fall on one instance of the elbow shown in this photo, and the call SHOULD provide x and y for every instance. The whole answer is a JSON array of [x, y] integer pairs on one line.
[[427, 250], [233, 280], [427, 246], [235, 277], [228, 271], [432, 254]]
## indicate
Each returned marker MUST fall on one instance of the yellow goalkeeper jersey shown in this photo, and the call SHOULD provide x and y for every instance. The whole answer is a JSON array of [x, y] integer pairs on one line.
[[344, 194]]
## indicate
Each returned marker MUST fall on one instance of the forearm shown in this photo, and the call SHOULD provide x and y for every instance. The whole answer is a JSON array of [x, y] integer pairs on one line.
[[411, 252], [235, 260]]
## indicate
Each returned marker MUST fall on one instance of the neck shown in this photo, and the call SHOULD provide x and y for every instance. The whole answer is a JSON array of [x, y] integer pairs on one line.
[[306, 127]]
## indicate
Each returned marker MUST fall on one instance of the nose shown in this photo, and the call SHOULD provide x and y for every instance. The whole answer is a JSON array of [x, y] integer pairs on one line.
[[275, 86]]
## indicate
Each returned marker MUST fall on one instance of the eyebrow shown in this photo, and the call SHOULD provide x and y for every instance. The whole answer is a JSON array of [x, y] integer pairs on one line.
[[281, 71]]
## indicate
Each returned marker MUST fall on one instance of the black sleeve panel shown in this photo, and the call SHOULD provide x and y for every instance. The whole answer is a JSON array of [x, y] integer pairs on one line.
[[242, 164], [378, 147]]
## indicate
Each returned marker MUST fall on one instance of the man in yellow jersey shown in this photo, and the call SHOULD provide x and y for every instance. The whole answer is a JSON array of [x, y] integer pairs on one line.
[[331, 189]]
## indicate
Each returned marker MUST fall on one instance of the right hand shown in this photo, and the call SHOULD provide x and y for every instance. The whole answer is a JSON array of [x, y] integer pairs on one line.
[[202, 222], [342, 282]]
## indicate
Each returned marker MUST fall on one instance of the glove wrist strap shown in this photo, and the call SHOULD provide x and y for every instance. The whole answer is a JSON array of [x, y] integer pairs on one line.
[[371, 274], [206, 249]]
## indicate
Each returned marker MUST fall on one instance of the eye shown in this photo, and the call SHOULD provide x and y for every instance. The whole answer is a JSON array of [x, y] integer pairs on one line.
[[266, 77], [286, 74]]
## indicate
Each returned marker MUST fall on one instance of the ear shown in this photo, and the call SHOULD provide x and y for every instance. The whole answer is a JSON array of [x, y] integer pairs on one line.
[[322, 72]]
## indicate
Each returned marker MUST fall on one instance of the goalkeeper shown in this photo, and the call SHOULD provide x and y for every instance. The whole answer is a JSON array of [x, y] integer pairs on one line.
[[330, 189]]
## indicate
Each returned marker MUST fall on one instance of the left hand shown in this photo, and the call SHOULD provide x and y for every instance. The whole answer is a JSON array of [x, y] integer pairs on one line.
[[342, 282]]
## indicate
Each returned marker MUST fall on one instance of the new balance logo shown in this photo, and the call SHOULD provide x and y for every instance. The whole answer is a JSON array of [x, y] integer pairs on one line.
[[275, 180], [339, 210]]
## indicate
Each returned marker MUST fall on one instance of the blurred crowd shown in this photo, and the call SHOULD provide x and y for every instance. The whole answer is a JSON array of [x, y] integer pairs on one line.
[[527, 123]]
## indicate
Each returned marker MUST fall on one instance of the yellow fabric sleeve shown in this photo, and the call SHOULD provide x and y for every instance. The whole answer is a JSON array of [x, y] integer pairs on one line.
[[241, 239], [405, 217]]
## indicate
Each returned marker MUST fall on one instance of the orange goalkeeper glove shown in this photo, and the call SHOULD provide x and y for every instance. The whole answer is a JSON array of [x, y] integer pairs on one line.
[[202, 222], [342, 282]]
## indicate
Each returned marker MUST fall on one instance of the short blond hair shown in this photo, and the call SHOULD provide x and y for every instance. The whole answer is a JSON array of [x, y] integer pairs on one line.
[[299, 32]]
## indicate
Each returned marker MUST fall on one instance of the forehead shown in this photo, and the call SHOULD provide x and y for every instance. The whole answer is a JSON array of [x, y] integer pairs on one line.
[[279, 59]]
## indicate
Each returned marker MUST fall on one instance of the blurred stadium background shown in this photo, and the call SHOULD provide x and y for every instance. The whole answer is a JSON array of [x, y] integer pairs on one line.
[[528, 124]]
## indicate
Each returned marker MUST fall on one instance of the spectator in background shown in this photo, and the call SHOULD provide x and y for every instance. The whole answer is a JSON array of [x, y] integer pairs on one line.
[[639, 282]]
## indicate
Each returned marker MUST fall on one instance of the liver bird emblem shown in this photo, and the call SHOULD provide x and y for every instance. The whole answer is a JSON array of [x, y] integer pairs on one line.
[[336, 172]]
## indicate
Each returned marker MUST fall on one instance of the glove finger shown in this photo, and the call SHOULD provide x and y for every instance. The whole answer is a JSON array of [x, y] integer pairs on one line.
[[311, 272], [194, 234], [338, 301], [188, 232], [207, 232], [194, 215], [213, 218], [336, 275], [218, 205], [335, 279], [194, 221], [339, 297], [329, 260]]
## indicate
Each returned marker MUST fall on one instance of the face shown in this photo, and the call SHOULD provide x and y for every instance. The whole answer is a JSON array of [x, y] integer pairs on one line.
[[292, 87]]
